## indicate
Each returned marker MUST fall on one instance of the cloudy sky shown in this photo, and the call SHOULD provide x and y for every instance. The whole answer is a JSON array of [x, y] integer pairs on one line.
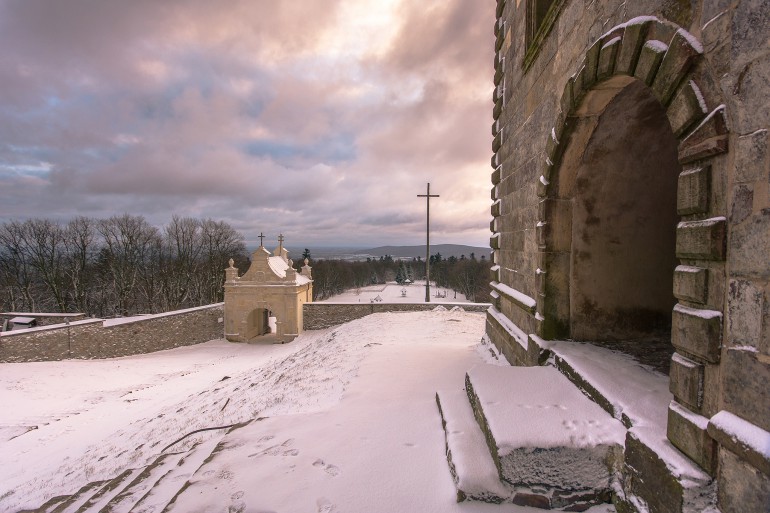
[[321, 119]]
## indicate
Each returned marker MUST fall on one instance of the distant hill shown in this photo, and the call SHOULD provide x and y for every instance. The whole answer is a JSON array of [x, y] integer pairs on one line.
[[446, 250]]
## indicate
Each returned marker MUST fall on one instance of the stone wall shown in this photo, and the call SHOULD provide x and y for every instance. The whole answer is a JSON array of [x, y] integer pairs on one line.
[[325, 315], [707, 63], [98, 338]]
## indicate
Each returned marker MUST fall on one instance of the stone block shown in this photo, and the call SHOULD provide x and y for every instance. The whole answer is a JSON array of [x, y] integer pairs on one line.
[[649, 60], [592, 65], [693, 191], [703, 240], [745, 375], [691, 283], [496, 175], [495, 208], [686, 381], [741, 438], [697, 332], [709, 138], [554, 229], [679, 58], [751, 157], [494, 241], [742, 204], [553, 303], [745, 304], [607, 56], [741, 487], [497, 142], [498, 109], [749, 241], [687, 431], [647, 476], [686, 108], [631, 47]]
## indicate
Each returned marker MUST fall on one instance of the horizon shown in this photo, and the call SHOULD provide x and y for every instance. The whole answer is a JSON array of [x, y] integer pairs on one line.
[[192, 110]]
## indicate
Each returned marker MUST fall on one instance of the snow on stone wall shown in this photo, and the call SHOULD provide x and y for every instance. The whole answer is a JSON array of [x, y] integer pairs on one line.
[[98, 338]]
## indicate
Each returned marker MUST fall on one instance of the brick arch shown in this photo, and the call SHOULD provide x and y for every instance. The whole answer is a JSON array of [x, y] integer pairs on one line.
[[669, 61]]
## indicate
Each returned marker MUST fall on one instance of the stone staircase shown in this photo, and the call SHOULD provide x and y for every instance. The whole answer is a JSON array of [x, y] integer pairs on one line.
[[140, 490], [527, 436], [547, 438]]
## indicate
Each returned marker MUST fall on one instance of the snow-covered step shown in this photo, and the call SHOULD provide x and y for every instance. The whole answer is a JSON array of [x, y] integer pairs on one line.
[[470, 463], [171, 483], [545, 435]]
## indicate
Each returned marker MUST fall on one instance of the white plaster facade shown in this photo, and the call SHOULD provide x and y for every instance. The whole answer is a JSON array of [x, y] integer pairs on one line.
[[271, 285]]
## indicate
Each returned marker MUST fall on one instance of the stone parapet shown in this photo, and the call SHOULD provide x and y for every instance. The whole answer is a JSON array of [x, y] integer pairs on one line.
[[318, 316], [97, 338]]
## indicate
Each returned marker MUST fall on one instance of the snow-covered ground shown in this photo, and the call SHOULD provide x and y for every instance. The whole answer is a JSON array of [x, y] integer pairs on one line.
[[392, 292], [350, 421]]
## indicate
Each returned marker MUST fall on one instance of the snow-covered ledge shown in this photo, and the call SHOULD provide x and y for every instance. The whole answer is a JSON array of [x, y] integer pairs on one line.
[[751, 443]]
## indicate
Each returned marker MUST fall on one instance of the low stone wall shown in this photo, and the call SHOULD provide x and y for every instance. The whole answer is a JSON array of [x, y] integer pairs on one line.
[[318, 316], [100, 338]]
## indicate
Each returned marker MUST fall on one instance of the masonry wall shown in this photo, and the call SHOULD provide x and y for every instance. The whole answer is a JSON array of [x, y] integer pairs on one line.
[[108, 339], [721, 323], [325, 315]]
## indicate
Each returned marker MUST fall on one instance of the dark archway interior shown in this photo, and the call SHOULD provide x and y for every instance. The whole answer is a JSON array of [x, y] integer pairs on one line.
[[623, 229]]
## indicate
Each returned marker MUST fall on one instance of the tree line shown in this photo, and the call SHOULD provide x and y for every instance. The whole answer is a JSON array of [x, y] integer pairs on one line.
[[114, 267], [468, 276]]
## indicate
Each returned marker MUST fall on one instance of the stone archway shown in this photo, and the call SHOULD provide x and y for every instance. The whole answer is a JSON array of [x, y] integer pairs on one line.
[[660, 65], [271, 285]]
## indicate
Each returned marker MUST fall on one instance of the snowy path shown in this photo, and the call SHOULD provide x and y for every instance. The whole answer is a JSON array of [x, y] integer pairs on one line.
[[350, 421]]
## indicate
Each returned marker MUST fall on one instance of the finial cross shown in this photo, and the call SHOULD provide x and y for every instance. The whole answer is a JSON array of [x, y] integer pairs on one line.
[[261, 239]]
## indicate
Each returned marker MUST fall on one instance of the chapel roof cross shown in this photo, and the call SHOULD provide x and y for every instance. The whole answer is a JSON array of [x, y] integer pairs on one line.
[[261, 239]]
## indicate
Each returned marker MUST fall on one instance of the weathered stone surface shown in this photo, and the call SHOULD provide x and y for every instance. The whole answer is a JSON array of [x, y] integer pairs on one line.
[[743, 203], [649, 60], [745, 376], [91, 339], [697, 332], [693, 191], [607, 55], [741, 438], [701, 239], [742, 488], [554, 230], [686, 108], [687, 431], [686, 381], [631, 47], [707, 139], [749, 241], [648, 477], [744, 313], [691, 283], [679, 58], [317, 316], [751, 157]]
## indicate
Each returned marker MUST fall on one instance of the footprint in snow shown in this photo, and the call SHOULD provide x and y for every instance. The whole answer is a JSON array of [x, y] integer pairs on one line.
[[325, 505], [332, 470]]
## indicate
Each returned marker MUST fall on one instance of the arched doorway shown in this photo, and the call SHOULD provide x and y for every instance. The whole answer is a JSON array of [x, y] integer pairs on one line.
[[619, 175]]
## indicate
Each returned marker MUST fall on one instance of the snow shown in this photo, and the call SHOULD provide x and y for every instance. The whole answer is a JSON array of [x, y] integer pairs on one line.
[[517, 296], [697, 312], [349, 420], [392, 292], [699, 97], [743, 432], [692, 40], [637, 393], [510, 327], [654, 44], [611, 42], [126, 320]]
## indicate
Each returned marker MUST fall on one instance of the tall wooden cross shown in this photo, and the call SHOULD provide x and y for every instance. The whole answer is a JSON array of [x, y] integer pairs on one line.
[[427, 197], [261, 239]]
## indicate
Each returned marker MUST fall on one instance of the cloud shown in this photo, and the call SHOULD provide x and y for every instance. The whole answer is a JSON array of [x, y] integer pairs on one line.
[[323, 120]]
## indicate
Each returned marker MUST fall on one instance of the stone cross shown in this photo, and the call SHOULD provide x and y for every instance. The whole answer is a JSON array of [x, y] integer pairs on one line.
[[261, 239], [427, 197]]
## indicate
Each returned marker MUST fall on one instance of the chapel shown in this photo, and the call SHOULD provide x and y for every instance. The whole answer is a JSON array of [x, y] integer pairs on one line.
[[271, 288]]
